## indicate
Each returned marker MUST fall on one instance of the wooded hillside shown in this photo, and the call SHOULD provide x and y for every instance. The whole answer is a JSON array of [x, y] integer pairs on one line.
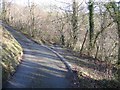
[[91, 29]]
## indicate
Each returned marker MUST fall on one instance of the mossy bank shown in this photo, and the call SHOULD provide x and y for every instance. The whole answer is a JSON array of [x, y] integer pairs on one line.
[[11, 53]]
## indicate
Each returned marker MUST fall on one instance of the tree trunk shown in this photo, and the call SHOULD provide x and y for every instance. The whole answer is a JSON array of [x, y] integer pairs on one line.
[[63, 39], [118, 44], [83, 42], [3, 11], [74, 22], [118, 63], [91, 25]]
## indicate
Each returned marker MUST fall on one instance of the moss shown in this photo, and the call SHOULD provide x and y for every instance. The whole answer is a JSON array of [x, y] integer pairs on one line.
[[11, 50]]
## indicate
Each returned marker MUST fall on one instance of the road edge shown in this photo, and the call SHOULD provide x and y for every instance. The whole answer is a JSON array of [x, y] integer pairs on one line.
[[67, 64]]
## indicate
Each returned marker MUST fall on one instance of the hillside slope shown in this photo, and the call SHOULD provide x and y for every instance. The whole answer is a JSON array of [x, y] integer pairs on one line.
[[11, 53]]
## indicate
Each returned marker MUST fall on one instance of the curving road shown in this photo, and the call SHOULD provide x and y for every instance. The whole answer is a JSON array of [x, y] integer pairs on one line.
[[40, 67]]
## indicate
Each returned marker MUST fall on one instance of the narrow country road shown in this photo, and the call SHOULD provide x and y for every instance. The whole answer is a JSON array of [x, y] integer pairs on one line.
[[40, 67]]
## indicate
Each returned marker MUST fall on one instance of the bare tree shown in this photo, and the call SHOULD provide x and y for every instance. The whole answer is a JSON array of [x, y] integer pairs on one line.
[[114, 10], [74, 21], [31, 16], [91, 25]]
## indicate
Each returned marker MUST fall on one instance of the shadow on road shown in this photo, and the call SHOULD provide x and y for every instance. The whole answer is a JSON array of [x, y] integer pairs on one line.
[[40, 68]]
